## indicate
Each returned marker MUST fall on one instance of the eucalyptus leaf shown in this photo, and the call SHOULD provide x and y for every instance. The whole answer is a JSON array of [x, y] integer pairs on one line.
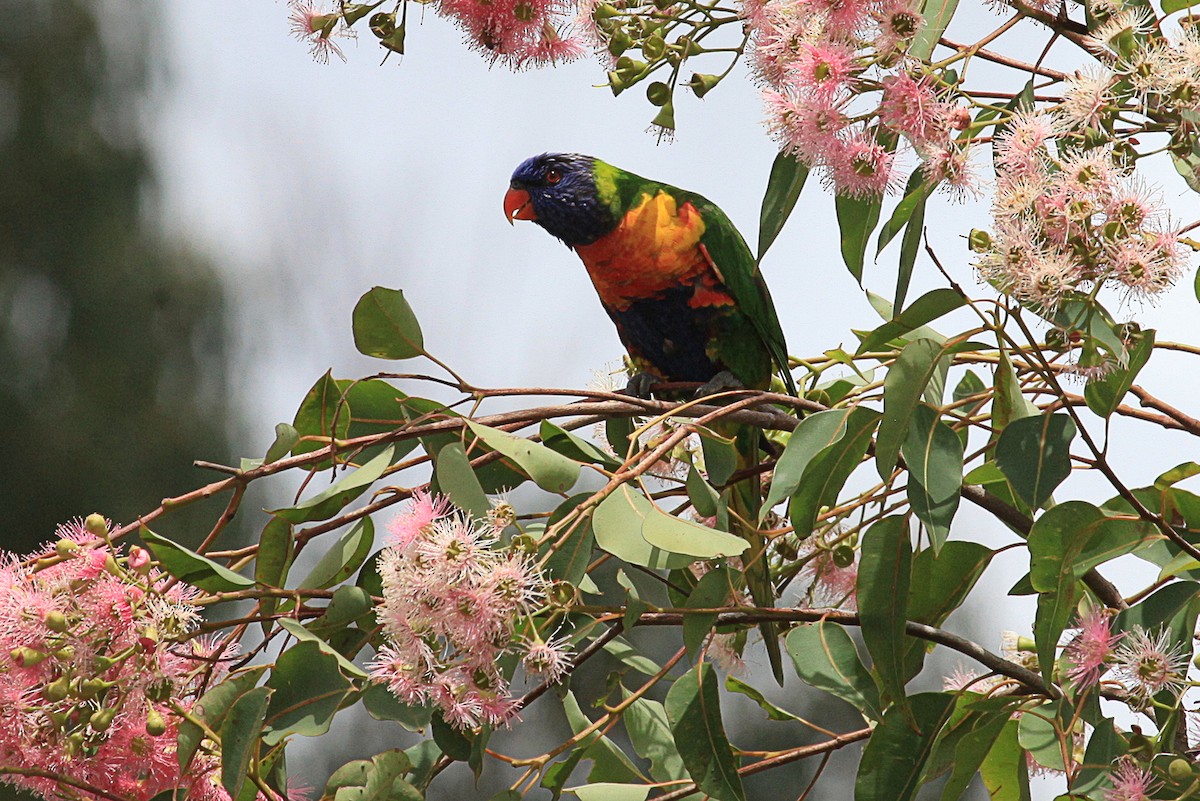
[[191, 567], [693, 709], [788, 175], [551, 471], [385, 326]]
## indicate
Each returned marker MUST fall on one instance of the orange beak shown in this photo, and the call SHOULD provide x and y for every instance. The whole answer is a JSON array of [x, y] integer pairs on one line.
[[518, 206]]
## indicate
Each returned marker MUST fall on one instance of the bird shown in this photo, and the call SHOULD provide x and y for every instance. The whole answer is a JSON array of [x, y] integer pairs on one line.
[[672, 272], [685, 294]]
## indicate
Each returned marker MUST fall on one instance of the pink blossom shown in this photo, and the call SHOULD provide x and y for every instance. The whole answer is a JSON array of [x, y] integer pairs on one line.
[[1131, 782], [452, 599], [421, 511], [822, 67], [899, 21], [1091, 648], [830, 571], [92, 671], [912, 108], [1148, 665], [809, 129], [319, 28], [550, 659], [861, 167]]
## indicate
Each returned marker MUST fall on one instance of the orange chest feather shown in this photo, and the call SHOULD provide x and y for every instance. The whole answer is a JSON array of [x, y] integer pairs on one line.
[[655, 247]]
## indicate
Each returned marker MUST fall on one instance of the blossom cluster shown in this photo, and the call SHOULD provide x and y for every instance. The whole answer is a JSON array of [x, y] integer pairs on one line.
[[453, 603], [92, 667], [1067, 219], [1143, 663], [518, 33], [840, 91]]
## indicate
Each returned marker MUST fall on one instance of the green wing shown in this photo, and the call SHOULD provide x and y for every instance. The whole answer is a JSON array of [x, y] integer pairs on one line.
[[745, 283]]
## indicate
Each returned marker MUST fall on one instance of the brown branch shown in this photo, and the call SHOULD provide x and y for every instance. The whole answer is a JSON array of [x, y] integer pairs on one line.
[[1185, 421], [1000, 58]]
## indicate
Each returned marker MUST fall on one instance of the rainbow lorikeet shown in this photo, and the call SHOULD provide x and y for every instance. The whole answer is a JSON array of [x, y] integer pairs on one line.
[[672, 272], [684, 291]]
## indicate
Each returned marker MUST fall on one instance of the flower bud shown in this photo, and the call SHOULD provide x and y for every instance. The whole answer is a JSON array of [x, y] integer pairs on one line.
[[1180, 770], [561, 594], [619, 42], [654, 47], [65, 547], [65, 654], [665, 119], [960, 119], [148, 638], [56, 621], [843, 556], [658, 93], [702, 83], [979, 241], [96, 525], [523, 543], [89, 688], [155, 725], [75, 743], [102, 718], [139, 560], [27, 657], [57, 690]]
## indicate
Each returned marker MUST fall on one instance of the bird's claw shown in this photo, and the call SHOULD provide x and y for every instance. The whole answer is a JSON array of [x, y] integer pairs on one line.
[[639, 385], [723, 381]]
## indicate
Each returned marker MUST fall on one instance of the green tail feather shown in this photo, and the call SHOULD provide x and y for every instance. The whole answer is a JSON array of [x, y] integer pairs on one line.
[[745, 501]]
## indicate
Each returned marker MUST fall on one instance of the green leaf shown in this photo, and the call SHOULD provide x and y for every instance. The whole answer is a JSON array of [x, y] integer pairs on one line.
[[937, 15], [736, 685], [617, 524], [453, 743], [1038, 733], [192, 568], [857, 218], [573, 447], [915, 193], [1010, 403], [286, 437], [381, 704], [1188, 164], [623, 651], [923, 310], [814, 433], [720, 456], [385, 326], [894, 758], [239, 738], [942, 580], [308, 690], [297, 630], [334, 498], [909, 246], [610, 764], [1104, 748], [343, 558], [1104, 394], [320, 415], [1035, 455], [274, 554], [456, 478], [693, 708], [965, 742], [1073, 537], [703, 497], [348, 604], [934, 455], [211, 708], [611, 791], [825, 657], [902, 390], [970, 385], [677, 535], [1053, 613], [650, 733], [1004, 771], [783, 190], [380, 778], [884, 573], [711, 592], [826, 474], [551, 471], [1157, 610], [573, 552]]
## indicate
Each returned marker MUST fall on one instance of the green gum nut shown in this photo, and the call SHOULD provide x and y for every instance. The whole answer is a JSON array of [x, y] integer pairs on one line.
[[96, 525], [353, 12], [101, 719], [561, 594], [702, 83], [979, 241], [665, 118], [604, 11], [57, 690], [155, 725], [654, 47], [619, 42], [383, 24], [658, 93], [1180, 770]]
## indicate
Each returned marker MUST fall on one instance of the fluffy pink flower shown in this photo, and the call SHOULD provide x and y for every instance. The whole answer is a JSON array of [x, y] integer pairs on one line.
[[1090, 650], [1131, 782], [861, 167], [550, 659], [319, 28], [830, 571], [912, 108], [822, 67], [92, 669], [1148, 665], [452, 599]]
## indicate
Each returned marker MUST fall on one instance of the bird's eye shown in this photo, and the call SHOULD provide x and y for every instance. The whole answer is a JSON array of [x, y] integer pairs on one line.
[[553, 176]]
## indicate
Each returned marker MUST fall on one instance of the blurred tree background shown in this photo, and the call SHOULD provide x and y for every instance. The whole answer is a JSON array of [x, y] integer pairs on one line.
[[113, 370]]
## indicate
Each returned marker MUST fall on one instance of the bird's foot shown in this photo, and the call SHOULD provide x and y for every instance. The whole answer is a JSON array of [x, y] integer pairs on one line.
[[639, 385], [723, 381]]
